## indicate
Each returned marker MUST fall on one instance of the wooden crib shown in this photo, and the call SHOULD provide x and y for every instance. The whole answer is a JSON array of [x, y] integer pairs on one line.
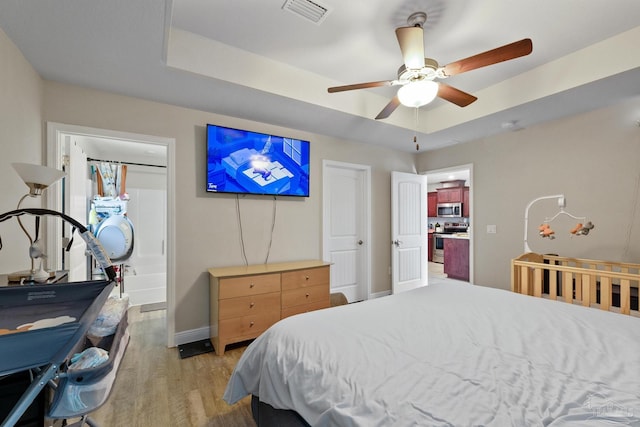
[[611, 286]]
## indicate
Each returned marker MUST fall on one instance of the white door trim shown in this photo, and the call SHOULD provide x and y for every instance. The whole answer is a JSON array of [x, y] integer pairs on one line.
[[56, 132], [469, 167], [366, 216]]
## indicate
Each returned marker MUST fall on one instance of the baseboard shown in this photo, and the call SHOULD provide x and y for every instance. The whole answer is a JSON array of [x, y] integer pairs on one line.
[[192, 335], [379, 294]]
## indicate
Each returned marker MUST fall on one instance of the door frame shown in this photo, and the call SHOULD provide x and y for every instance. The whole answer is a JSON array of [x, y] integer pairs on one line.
[[327, 165], [56, 134], [472, 226]]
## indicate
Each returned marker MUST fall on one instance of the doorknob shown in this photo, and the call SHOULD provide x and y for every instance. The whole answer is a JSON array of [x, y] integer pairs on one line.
[[397, 242], [360, 242]]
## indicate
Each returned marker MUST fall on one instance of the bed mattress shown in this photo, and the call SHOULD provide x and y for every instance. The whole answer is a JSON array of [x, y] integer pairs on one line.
[[448, 354]]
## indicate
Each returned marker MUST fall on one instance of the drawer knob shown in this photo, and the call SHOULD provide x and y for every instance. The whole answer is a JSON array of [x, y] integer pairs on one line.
[[251, 324], [307, 295], [306, 277], [251, 285], [252, 304]]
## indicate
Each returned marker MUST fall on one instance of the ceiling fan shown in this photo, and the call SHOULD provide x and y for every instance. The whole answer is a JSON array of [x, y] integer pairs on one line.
[[416, 76]]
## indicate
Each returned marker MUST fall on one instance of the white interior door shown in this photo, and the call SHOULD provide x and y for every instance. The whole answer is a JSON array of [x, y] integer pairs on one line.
[[76, 200], [346, 227], [145, 277], [409, 263]]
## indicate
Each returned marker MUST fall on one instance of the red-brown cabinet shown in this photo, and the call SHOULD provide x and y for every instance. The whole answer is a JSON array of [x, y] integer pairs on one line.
[[456, 258], [465, 202], [450, 195], [432, 202]]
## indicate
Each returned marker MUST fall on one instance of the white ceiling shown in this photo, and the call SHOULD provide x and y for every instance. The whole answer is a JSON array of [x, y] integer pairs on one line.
[[252, 59]]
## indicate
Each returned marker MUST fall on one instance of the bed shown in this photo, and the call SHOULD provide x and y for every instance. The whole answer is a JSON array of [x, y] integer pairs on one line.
[[449, 354]]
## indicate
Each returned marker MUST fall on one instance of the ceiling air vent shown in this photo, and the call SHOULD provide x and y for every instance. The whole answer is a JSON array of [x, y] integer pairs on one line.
[[307, 9]]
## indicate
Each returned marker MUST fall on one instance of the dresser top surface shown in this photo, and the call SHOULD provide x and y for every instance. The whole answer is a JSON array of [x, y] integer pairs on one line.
[[245, 270]]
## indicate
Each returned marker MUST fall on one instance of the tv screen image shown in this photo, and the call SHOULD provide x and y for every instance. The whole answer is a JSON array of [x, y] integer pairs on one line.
[[245, 162]]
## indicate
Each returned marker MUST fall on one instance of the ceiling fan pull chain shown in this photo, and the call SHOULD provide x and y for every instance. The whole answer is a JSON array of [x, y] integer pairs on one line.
[[415, 135]]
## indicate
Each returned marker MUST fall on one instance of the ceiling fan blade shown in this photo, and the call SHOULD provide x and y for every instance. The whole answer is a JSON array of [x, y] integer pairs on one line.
[[389, 108], [411, 41], [494, 56], [456, 96], [359, 86]]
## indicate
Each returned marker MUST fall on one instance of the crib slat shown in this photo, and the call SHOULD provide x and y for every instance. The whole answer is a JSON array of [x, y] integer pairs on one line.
[[524, 281], [515, 277], [578, 287], [553, 284], [625, 296], [593, 282], [537, 282], [567, 286], [605, 293], [586, 290]]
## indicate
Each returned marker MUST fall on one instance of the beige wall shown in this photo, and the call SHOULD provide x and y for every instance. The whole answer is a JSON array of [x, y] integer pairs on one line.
[[207, 232], [593, 158], [21, 92]]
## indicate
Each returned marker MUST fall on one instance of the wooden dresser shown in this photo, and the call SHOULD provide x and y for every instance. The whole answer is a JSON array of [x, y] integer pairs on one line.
[[246, 300]]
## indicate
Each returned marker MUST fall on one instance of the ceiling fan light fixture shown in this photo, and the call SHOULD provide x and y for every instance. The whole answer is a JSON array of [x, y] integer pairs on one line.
[[418, 93]]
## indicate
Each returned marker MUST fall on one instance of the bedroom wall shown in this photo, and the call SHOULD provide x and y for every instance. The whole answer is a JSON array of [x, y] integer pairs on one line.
[[592, 158], [21, 94], [207, 233]]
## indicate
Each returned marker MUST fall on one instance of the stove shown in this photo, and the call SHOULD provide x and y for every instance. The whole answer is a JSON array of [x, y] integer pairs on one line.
[[455, 227]]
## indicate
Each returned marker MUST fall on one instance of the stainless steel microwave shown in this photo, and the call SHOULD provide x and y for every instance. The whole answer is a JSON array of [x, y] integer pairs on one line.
[[450, 210]]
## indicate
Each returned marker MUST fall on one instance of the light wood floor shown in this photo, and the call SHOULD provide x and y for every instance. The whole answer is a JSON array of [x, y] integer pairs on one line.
[[154, 387]]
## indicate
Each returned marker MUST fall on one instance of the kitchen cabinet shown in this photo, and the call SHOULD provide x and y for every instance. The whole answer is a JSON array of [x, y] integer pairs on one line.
[[450, 195], [456, 258], [465, 202], [432, 202]]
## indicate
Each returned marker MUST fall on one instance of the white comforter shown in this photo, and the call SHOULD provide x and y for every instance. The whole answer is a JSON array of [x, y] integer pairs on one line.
[[448, 355]]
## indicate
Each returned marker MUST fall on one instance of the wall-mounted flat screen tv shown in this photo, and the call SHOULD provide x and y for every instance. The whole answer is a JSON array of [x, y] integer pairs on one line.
[[244, 162]]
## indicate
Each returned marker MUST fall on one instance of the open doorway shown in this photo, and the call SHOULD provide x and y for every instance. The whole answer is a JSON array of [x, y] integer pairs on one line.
[[450, 216], [150, 159]]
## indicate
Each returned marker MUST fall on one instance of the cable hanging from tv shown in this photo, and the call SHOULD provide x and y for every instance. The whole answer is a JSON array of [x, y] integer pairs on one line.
[[273, 225]]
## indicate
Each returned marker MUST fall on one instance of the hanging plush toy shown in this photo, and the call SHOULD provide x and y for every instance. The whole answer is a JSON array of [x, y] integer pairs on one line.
[[575, 229], [546, 231], [584, 230]]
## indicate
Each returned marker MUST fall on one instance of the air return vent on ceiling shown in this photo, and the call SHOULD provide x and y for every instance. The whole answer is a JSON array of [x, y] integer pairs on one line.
[[308, 9]]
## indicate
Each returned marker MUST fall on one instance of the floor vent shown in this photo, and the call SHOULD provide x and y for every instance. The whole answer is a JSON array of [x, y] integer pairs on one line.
[[308, 9]]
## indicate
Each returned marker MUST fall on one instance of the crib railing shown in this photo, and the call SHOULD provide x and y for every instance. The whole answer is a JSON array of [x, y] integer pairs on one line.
[[611, 286]]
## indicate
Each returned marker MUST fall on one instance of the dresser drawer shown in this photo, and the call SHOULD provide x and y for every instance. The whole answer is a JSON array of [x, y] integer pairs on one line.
[[303, 278], [304, 308], [249, 305], [306, 295], [249, 285], [246, 327]]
